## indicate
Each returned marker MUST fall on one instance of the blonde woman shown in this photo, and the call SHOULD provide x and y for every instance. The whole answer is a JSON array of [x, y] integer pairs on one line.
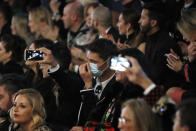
[[41, 25], [28, 112], [136, 115], [19, 26]]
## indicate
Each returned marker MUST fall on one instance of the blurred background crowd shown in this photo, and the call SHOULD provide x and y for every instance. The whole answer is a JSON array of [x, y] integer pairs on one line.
[[56, 58]]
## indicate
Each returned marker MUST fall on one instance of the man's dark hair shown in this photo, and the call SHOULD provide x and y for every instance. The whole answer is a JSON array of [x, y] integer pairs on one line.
[[15, 44], [43, 43], [12, 83], [187, 113], [6, 11], [156, 11], [62, 54], [105, 48]]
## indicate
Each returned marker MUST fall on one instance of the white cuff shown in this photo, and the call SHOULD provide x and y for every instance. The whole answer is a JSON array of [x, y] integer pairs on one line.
[[149, 89], [54, 69]]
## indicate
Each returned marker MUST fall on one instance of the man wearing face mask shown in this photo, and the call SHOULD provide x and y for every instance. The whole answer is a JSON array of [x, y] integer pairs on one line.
[[100, 84]]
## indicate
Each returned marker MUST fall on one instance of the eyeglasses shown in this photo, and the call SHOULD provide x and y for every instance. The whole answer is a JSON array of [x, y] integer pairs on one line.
[[123, 120]]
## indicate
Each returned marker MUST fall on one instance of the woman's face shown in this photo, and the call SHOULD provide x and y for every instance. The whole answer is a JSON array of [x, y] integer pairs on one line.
[[22, 110], [88, 16], [32, 24], [31, 63], [126, 120], [122, 27]]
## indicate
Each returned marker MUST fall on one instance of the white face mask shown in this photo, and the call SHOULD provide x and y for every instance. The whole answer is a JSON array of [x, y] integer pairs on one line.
[[95, 71]]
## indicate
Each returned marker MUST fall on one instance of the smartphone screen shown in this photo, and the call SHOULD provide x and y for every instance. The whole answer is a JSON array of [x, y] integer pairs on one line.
[[33, 55], [119, 63]]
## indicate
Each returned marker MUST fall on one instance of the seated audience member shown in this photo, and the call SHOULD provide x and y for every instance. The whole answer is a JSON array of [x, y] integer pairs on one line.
[[158, 43], [186, 26], [65, 86], [9, 85], [98, 93], [41, 25], [101, 19], [19, 26], [136, 115], [73, 19], [11, 54], [128, 27], [28, 111], [185, 118]]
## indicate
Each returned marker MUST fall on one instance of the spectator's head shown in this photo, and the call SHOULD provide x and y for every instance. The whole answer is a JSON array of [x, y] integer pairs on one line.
[[101, 17], [152, 17], [38, 18], [19, 26], [11, 48], [99, 53], [136, 115], [187, 24], [28, 108], [128, 22], [9, 85], [88, 11], [185, 116], [73, 16]]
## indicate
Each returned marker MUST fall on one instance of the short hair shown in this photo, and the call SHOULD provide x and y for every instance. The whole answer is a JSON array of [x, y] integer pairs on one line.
[[103, 15], [78, 9], [156, 11], [42, 42], [41, 14], [131, 16], [187, 23], [144, 118], [37, 103], [15, 44], [62, 54], [12, 83], [103, 47], [187, 113]]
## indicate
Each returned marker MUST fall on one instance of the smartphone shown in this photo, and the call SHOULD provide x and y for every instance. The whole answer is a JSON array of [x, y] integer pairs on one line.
[[33, 55], [119, 63]]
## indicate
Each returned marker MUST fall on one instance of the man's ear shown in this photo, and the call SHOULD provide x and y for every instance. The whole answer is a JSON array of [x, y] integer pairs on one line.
[[9, 53], [74, 17], [153, 23]]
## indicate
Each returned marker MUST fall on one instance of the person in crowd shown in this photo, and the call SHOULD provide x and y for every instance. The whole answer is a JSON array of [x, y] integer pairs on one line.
[[185, 116], [129, 27], [158, 43], [186, 26], [5, 19], [100, 91], [11, 54], [40, 23], [136, 115], [28, 111], [189, 4], [101, 20], [9, 85], [73, 19], [19, 26], [88, 11], [59, 85]]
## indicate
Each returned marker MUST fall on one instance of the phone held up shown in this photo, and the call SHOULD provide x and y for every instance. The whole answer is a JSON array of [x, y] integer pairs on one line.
[[33, 55], [119, 63]]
